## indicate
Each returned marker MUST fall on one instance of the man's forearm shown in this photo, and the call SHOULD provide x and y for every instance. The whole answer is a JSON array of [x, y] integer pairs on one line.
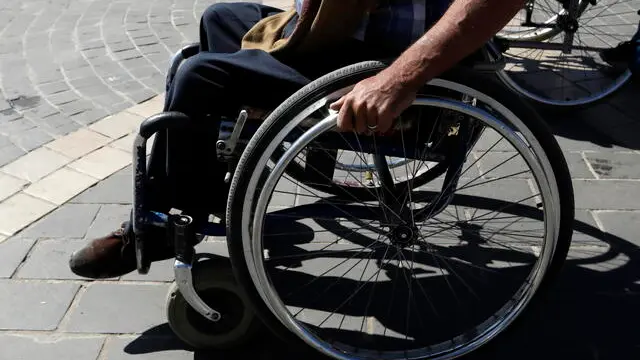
[[465, 27]]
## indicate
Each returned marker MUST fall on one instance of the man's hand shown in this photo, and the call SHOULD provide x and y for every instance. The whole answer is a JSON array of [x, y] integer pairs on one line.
[[465, 27], [374, 103]]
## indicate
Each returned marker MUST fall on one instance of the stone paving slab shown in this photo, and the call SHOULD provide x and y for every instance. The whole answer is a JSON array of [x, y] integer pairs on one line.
[[113, 193], [49, 259], [36, 305], [67, 221], [133, 308], [108, 215], [623, 224], [610, 195], [14, 251], [50, 347]]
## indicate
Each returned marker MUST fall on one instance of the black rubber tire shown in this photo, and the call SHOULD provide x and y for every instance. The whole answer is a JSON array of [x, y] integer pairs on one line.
[[349, 76], [192, 328]]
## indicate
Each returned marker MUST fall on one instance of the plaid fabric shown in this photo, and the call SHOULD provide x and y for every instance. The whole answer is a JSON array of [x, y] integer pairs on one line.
[[400, 22]]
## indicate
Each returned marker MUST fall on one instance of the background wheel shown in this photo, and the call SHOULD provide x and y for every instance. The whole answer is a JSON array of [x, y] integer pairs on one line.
[[577, 74], [544, 12], [214, 282]]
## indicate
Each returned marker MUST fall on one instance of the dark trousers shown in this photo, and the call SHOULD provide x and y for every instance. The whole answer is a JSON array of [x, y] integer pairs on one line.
[[217, 81]]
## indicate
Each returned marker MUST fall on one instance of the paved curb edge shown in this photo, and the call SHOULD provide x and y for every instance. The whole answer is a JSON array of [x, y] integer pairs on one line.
[[39, 182]]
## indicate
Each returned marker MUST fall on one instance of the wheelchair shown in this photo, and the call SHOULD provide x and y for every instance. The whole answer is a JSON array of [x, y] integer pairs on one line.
[[405, 220]]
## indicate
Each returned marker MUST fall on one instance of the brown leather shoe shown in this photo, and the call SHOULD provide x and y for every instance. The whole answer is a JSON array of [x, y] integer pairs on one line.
[[112, 255]]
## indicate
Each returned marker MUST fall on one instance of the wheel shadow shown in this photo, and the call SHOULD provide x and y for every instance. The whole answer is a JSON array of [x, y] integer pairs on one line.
[[607, 128], [160, 339], [611, 123], [591, 312]]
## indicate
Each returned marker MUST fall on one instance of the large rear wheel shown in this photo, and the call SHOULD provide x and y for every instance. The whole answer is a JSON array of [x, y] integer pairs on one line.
[[414, 272]]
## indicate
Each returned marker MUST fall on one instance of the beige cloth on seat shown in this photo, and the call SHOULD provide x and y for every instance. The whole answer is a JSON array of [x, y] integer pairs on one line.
[[322, 24]]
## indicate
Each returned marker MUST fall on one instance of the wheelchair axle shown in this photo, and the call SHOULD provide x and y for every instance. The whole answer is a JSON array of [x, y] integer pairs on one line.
[[404, 235]]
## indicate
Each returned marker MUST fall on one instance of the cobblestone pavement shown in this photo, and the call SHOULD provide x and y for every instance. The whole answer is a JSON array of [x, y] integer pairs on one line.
[[48, 313], [65, 64]]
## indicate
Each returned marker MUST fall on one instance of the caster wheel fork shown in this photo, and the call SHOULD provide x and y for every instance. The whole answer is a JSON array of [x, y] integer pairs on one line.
[[205, 306]]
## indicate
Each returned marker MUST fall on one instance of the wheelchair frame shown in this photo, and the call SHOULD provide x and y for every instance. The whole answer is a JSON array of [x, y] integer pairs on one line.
[[226, 146], [233, 135]]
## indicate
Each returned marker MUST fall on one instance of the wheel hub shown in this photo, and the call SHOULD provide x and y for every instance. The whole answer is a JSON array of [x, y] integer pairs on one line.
[[403, 235], [567, 24]]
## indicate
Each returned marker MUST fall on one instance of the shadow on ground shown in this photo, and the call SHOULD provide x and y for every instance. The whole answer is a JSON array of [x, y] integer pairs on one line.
[[591, 314], [613, 123]]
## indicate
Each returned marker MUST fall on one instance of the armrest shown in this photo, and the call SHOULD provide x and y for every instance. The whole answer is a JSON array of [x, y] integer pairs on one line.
[[190, 50]]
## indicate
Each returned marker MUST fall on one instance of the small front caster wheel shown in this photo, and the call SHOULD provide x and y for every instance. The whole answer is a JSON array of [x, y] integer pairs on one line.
[[216, 285]]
